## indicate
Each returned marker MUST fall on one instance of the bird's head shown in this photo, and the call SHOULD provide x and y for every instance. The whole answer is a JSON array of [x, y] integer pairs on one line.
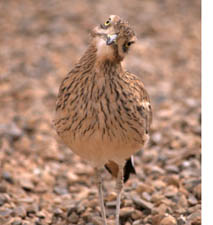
[[113, 38]]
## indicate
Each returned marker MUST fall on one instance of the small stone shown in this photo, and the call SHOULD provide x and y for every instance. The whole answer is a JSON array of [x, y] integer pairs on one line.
[[159, 184], [157, 198], [26, 184], [190, 184], [93, 203], [20, 211], [13, 131], [182, 202], [156, 169], [97, 220], [73, 218], [111, 197], [162, 209], [58, 212], [144, 188], [127, 202], [25, 222], [197, 191], [26, 200], [168, 220], [192, 200], [170, 191], [172, 169], [3, 199], [41, 215], [127, 223], [156, 137], [156, 219], [181, 220], [5, 212], [60, 190], [137, 222], [3, 188], [137, 214], [173, 180], [142, 203], [16, 222], [80, 209], [195, 218], [8, 177], [127, 211], [72, 177], [111, 204], [146, 196], [32, 209]]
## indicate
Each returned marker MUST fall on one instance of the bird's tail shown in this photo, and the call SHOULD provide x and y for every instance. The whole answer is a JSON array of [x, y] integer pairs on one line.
[[112, 167]]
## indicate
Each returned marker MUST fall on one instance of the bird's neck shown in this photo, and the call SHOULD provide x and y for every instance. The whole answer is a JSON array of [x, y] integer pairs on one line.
[[105, 66]]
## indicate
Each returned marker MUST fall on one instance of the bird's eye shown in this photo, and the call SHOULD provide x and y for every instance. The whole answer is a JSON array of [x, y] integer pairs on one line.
[[107, 23], [129, 43]]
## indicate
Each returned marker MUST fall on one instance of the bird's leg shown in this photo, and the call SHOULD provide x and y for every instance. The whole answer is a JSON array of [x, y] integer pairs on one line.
[[99, 184], [119, 186]]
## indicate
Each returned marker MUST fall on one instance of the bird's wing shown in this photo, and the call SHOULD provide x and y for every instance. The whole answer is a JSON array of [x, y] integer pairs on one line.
[[142, 99]]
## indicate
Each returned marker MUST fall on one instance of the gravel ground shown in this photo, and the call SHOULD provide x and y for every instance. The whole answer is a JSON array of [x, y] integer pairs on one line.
[[41, 181]]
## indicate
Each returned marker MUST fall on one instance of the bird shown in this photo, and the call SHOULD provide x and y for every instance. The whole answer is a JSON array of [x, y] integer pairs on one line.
[[103, 112]]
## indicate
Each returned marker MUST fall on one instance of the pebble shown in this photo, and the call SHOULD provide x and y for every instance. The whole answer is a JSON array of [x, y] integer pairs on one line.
[[60, 190], [192, 200], [172, 169], [111, 197], [168, 220], [156, 219], [142, 187], [111, 204], [142, 203], [127, 202], [26, 200], [170, 191], [13, 131], [3, 199], [26, 184], [195, 217], [173, 180], [20, 211], [3, 188], [97, 220], [8, 177], [158, 184], [158, 170], [181, 220], [190, 184], [58, 212], [32, 209], [146, 196], [137, 222], [137, 214], [73, 218], [197, 191], [16, 222], [126, 212], [157, 197], [41, 214], [156, 137], [5, 212]]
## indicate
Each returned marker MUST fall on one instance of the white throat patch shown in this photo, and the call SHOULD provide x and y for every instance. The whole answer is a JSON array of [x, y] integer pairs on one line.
[[104, 50]]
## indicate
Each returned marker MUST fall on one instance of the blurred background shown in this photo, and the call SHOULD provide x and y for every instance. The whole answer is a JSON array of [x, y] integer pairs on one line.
[[41, 181]]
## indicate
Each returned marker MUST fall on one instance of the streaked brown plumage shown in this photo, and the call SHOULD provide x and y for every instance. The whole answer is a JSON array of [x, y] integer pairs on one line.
[[103, 112]]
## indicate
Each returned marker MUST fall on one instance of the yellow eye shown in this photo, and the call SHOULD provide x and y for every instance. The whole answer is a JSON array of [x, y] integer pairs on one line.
[[107, 23]]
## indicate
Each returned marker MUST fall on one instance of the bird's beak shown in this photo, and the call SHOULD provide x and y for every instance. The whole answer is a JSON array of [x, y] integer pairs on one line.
[[111, 38]]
